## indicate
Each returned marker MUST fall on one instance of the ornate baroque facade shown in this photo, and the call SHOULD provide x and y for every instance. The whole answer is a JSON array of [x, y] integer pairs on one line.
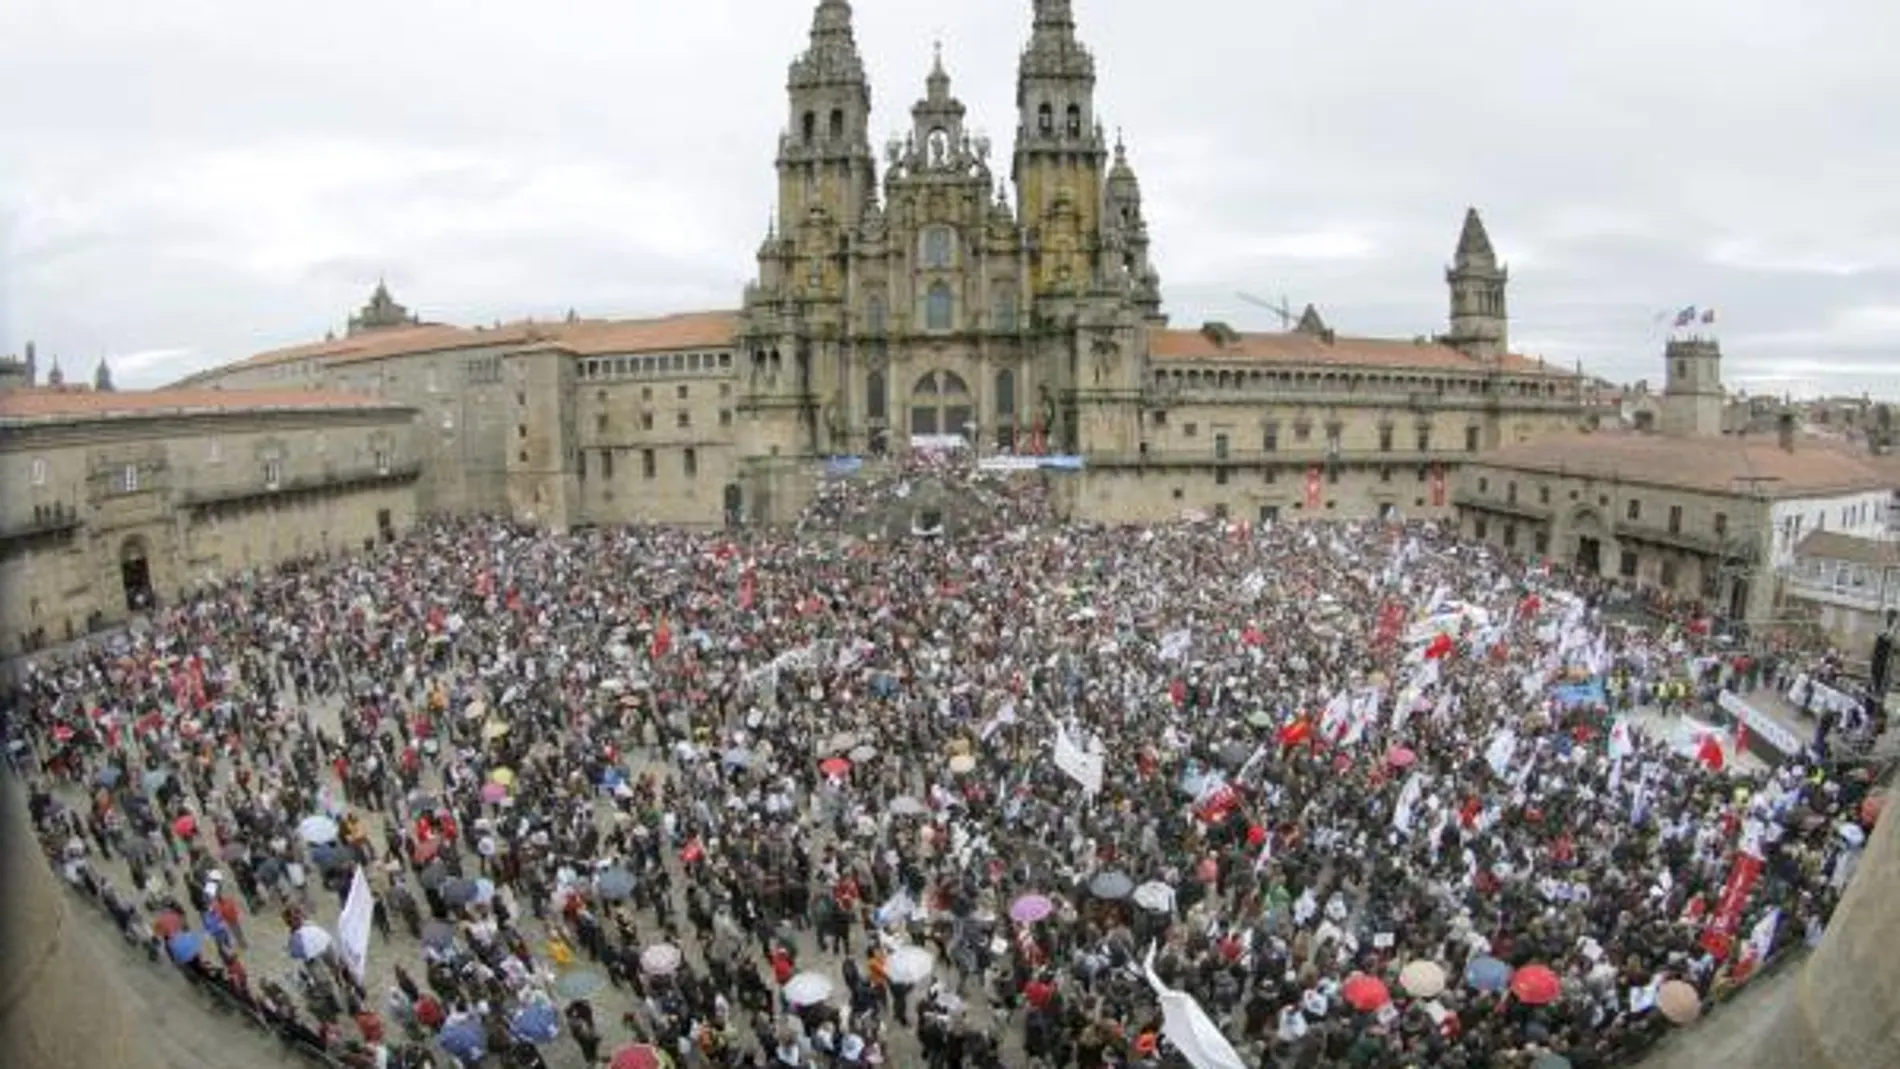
[[912, 293]]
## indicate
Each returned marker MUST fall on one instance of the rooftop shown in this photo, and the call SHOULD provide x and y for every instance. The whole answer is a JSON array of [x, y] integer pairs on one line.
[[1833, 545], [1723, 465], [1301, 348], [55, 406], [685, 330]]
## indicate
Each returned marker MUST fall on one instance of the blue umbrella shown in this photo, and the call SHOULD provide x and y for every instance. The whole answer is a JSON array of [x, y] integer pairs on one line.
[[1488, 974], [578, 984], [614, 884], [464, 1040], [154, 779], [329, 856], [537, 1022], [109, 776], [612, 778], [184, 946]]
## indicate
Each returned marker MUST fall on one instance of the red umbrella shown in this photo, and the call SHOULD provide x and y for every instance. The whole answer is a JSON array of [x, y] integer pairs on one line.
[[834, 766], [638, 1056], [185, 827], [1400, 757], [1364, 993], [1536, 985], [168, 924]]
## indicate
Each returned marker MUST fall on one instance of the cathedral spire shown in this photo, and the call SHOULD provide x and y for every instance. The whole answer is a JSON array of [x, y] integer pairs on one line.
[[1474, 245], [1054, 15]]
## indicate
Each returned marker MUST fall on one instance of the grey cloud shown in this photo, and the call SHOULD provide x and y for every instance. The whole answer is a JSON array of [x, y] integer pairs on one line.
[[1620, 150]]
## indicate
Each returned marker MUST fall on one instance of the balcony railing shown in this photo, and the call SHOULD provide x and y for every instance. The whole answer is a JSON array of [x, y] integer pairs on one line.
[[303, 485], [1505, 506], [1305, 455], [49, 520]]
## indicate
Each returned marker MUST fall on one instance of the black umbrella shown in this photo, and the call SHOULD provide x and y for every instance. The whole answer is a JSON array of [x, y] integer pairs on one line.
[[458, 892]]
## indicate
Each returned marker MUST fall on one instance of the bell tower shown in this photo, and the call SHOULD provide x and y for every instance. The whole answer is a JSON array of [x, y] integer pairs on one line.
[[1060, 150], [1479, 322], [824, 157]]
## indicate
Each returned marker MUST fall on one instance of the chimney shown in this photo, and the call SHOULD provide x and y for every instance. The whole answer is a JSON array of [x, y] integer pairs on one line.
[[1784, 431]]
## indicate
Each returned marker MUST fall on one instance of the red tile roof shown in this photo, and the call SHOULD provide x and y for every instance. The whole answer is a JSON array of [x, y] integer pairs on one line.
[[52, 405], [1727, 464], [1297, 348]]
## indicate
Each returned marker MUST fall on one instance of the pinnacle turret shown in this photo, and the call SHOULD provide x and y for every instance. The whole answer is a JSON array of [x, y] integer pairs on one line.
[[1474, 245]]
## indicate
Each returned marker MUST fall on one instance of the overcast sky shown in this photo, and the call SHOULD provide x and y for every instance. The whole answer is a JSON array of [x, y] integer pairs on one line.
[[186, 182]]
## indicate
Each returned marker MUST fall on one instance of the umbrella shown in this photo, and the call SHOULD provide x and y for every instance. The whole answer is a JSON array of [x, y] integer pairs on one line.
[[465, 1040], [1111, 886], [434, 874], [614, 884], [1536, 985], [154, 779], [308, 942], [168, 924], [1488, 974], [910, 965], [458, 892], [578, 984], [329, 856], [438, 936], [493, 792], [905, 806], [1260, 718], [1155, 896], [317, 829], [660, 959], [537, 1022], [1031, 908], [862, 754], [185, 827], [1678, 1001], [1423, 979], [184, 946], [109, 776], [807, 989], [962, 763], [1852, 834], [737, 757], [1400, 757], [835, 767], [503, 776], [1364, 993], [638, 1056]]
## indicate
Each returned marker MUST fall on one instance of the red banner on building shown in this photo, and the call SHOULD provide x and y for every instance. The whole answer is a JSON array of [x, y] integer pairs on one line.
[[1312, 487], [1719, 937], [1438, 486]]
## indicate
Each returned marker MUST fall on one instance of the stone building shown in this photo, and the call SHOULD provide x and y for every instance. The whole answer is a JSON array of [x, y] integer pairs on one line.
[[921, 296], [1680, 508], [118, 501]]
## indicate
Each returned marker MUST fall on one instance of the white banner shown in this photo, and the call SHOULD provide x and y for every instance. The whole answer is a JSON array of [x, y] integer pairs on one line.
[[1188, 1027], [353, 924], [1761, 725], [1083, 766]]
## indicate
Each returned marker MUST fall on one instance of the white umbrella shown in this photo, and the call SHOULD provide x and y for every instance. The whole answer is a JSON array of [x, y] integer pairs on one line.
[[661, 959], [905, 806], [317, 830], [910, 965], [1155, 896], [1423, 979], [807, 989]]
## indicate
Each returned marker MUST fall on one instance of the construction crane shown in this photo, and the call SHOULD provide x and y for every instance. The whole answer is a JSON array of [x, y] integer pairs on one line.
[[1285, 311]]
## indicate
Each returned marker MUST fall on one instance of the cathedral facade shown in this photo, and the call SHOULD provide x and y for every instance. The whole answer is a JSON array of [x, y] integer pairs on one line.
[[921, 305]]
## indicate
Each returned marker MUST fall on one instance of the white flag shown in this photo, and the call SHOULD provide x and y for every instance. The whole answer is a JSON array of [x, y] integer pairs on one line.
[[353, 924], [1083, 766], [1187, 1025]]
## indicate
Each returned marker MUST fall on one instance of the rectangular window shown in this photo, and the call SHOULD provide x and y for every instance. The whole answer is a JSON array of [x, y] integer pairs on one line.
[[1220, 476], [214, 451], [1480, 529], [689, 462], [682, 392], [1220, 447], [1668, 575], [382, 462], [684, 419], [648, 465], [1269, 513], [129, 479], [1188, 430], [1270, 441], [1541, 542], [580, 465], [1635, 510], [1721, 525], [1510, 492], [1675, 519], [606, 463], [1385, 439], [646, 421], [1472, 435], [39, 471], [273, 474], [1333, 440], [1626, 565], [1510, 536], [725, 417], [1424, 439]]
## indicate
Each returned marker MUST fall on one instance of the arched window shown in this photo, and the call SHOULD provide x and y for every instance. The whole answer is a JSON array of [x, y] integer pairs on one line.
[[1045, 118], [940, 403], [837, 124], [874, 314], [1003, 308], [1075, 120], [809, 127], [1005, 409], [938, 306], [939, 248], [877, 396]]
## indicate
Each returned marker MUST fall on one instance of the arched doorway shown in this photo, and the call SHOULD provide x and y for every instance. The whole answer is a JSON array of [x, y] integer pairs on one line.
[[941, 403], [735, 505], [1587, 526], [135, 573]]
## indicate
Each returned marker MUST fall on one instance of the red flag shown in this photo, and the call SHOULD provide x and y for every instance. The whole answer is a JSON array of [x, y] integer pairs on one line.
[[1709, 752], [1295, 733], [1440, 648], [662, 639]]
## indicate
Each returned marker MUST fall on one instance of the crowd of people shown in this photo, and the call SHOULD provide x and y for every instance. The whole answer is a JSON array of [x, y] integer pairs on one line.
[[1013, 792]]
